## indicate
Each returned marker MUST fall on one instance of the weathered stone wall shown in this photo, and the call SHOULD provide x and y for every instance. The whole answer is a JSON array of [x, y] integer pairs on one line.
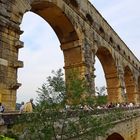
[[83, 34], [127, 129], [9, 37], [123, 129]]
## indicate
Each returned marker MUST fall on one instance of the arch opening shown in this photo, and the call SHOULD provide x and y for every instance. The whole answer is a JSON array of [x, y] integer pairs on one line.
[[41, 55], [129, 85], [111, 75], [64, 30], [115, 136], [100, 83]]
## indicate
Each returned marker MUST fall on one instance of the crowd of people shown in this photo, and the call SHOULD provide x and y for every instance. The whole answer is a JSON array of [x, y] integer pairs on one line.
[[118, 105], [29, 106], [111, 105]]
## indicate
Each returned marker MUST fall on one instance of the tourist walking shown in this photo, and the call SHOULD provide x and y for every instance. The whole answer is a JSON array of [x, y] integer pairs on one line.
[[29, 106]]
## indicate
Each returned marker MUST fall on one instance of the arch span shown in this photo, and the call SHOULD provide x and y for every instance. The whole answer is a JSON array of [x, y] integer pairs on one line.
[[115, 136], [129, 85], [64, 25], [69, 40], [111, 75]]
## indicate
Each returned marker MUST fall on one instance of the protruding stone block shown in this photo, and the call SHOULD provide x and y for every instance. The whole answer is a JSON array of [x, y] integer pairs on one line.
[[14, 86], [18, 64], [19, 44], [21, 32], [3, 62]]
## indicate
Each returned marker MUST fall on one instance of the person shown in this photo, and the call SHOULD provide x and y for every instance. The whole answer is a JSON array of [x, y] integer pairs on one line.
[[86, 108], [29, 106], [1, 108], [33, 105], [22, 107]]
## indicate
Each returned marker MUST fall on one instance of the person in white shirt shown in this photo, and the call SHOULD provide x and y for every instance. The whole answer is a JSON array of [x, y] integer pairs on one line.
[[22, 107]]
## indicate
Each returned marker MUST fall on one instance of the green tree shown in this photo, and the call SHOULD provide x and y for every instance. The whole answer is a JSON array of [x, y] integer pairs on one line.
[[77, 89], [53, 90], [100, 91], [101, 95], [50, 120]]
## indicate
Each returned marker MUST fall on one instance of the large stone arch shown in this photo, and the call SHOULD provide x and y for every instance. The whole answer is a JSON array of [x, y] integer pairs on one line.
[[130, 86], [115, 136], [111, 74], [58, 15]]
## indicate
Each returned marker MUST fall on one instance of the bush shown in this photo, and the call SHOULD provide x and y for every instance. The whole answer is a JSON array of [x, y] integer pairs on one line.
[[5, 138]]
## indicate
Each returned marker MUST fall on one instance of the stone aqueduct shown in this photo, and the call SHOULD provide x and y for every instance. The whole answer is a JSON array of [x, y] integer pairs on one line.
[[125, 130], [83, 34]]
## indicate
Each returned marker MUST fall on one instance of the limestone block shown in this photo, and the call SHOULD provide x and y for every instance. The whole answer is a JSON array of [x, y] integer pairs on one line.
[[19, 44], [3, 10], [3, 62], [16, 64], [14, 86]]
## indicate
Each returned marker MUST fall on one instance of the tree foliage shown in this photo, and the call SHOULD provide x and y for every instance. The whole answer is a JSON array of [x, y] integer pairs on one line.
[[100, 91], [52, 121], [101, 95], [53, 90], [77, 89]]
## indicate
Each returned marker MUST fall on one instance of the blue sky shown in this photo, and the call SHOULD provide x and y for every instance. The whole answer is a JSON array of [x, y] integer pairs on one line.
[[42, 52]]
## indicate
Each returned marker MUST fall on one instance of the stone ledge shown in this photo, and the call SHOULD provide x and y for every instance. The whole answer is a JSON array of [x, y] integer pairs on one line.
[[19, 44], [75, 65], [17, 64], [14, 86], [3, 62]]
